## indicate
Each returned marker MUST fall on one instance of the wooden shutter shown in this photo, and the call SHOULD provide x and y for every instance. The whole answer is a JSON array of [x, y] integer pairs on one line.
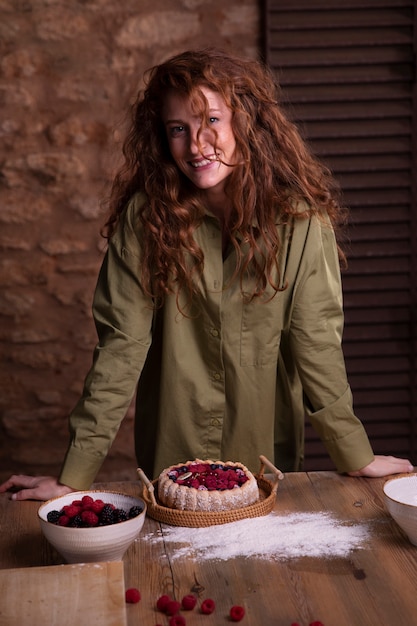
[[348, 73]]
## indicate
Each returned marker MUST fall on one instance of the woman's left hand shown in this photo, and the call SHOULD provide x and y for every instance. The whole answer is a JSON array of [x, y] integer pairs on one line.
[[384, 466]]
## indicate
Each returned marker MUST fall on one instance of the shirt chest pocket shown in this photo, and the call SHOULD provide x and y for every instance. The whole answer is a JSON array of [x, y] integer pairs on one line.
[[260, 333]]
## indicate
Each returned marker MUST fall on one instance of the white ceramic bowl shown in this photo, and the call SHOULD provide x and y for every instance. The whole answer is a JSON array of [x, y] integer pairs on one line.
[[100, 543], [400, 496]]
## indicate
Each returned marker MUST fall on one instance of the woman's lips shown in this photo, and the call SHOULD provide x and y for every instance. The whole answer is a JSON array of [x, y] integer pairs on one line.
[[203, 161]]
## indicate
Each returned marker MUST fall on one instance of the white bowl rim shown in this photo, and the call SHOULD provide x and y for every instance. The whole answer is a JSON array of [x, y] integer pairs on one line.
[[406, 477], [89, 492]]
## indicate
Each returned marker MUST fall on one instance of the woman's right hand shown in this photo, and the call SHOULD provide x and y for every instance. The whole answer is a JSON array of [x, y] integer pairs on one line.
[[34, 487]]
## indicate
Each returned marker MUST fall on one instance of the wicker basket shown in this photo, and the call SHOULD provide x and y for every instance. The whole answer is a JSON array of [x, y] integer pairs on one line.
[[196, 519]]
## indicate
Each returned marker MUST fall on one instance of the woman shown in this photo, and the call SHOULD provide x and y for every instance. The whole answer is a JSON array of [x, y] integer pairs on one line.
[[219, 296]]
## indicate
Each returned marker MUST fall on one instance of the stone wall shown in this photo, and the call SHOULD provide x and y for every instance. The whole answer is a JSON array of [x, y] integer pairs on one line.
[[68, 70]]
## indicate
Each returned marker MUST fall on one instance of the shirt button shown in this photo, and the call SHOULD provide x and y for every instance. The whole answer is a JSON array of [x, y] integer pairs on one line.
[[215, 422], [217, 376], [214, 332]]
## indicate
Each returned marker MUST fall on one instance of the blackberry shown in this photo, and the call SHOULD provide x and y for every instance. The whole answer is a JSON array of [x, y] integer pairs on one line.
[[119, 515], [77, 522], [134, 511], [53, 516], [106, 515]]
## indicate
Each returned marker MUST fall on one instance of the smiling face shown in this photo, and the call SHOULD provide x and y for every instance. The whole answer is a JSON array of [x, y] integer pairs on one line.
[[203, 150]]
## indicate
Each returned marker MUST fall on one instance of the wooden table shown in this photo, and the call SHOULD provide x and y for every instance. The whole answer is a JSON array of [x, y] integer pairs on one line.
[[372, 586]]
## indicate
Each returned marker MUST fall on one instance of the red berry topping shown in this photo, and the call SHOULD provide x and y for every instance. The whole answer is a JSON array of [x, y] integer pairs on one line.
[[64, 520], [162, 602], [188, 602], [132, 595], [177, 620], [237, 613], [86, 501], [172, 607], [207, 606]]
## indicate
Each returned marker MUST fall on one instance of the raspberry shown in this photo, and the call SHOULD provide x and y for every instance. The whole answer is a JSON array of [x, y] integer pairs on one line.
[[237, 613], [177, 620], [132, 595], [89, 518], [316, 624], [96, 506], [63, 520], [162, 603], [188, 602], [207, 606], [71, 510], [86, 501], [211, 483], [172, 607]]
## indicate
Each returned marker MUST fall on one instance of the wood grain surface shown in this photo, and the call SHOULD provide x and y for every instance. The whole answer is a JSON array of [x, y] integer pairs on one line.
[[372, 586]]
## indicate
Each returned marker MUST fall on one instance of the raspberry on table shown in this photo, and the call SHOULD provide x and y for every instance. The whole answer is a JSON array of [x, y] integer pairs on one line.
[[132, 595], [172, 607], [188, 602], [177, 620], [162, 602], [237, 613], [207, 606]]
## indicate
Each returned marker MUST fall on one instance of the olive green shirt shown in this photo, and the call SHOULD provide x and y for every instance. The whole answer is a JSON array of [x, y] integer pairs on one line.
[[231, 380]]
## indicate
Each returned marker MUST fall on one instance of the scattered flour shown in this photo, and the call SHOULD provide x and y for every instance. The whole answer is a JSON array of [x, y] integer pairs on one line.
[[274, 536]]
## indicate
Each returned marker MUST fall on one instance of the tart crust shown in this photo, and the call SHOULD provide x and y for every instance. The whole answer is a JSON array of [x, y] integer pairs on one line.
[[174, 493]]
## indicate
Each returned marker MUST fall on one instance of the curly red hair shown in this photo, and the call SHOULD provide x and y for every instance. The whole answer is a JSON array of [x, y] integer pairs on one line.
[[275, 172]]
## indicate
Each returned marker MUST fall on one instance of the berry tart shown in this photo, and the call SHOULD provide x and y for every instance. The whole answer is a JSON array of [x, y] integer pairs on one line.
[[207, 486]]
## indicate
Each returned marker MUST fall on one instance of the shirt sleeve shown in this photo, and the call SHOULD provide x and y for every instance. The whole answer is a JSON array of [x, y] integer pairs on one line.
[[123, 319], [316, 336]]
